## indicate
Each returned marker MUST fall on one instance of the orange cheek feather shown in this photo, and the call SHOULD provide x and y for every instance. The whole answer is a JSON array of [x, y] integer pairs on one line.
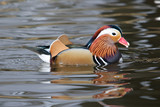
[[103, 46]]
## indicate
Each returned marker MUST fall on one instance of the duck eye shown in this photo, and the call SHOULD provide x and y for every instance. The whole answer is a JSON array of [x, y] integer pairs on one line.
[[114, 34]]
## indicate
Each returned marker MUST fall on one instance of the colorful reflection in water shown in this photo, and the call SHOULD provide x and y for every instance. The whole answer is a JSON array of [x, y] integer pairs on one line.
[[111, 81], [25, 81]]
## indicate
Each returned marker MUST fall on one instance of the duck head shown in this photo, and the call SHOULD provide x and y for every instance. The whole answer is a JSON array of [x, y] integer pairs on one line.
[[103, 42]]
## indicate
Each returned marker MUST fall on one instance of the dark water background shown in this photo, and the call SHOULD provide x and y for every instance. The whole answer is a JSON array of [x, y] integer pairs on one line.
[[26, 81]]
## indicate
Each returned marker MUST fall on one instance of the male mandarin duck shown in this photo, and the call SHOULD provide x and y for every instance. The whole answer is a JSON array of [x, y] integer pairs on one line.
[[100, 50]]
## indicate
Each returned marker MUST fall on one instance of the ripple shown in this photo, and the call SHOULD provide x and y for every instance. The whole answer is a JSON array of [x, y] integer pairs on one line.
[[148, 97], [21, 103], [26, 81]]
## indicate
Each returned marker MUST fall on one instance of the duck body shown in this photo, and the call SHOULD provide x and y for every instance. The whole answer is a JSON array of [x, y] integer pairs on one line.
[[82, 56], [100, 50], [74, 56]]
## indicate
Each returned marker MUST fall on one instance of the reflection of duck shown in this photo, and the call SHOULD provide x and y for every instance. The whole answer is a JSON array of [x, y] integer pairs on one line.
[[108, 94], [107, 77], [100, 50], [113, 93], [102, 78]]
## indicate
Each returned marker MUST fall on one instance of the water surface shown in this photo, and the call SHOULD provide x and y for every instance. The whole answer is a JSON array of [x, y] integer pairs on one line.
[[26, 81]]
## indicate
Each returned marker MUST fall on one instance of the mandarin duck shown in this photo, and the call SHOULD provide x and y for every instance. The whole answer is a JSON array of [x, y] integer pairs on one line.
[[100, 50]]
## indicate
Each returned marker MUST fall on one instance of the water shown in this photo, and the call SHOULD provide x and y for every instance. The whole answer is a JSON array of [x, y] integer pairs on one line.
[[26, 81]]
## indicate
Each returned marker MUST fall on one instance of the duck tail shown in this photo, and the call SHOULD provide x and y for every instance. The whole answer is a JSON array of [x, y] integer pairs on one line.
[[41, 51], [46, 53]]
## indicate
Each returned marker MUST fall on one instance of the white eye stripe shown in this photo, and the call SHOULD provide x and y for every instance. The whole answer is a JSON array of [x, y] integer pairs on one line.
[[110, 31]]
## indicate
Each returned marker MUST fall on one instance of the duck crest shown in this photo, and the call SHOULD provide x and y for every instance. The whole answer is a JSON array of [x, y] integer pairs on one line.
[[95, 35]]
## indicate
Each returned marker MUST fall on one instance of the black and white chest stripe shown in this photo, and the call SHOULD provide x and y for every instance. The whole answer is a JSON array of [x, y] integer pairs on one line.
[[99, 60], [102, 61]]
